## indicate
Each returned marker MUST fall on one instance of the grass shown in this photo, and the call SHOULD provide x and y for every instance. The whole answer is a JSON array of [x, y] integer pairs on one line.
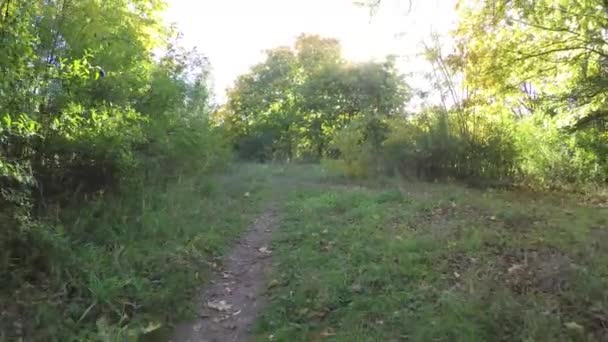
[[377, 260], [435, 262], [130, 264]]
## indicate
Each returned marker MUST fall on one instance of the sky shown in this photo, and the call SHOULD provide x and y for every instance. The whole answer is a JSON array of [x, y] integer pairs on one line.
[[234, 33]]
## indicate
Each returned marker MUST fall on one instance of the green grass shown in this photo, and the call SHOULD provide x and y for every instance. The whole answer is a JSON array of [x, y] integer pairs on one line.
[[435, 262], [132, 262], [377, 260]]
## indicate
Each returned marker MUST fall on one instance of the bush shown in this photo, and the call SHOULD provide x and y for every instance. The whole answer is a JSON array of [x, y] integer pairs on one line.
[[483, 150], [75, 196], [432, 145], [255, 147], [187, 145], [551, 157], [358, 145], [423, 147]]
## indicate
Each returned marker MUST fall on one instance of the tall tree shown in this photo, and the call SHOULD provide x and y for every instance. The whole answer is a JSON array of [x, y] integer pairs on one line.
[[538, 53], [297, 99]]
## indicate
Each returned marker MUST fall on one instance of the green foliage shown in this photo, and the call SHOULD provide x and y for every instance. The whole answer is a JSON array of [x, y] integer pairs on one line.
[[359, 146], [522, 101], [125, 262], [354, 153], [292, 104], [541, 63], [538, 54], [430, 145], [554, 158], [104, 151]]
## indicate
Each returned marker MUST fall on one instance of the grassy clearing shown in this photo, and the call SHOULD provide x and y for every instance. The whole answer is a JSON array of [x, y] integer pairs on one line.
[[131, 263], [435, 262]]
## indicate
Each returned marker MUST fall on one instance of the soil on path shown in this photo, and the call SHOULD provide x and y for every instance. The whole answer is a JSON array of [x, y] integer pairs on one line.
[[230, 303]]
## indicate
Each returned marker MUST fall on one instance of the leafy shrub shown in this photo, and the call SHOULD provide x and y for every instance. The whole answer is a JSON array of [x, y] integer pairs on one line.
[[87, 150], [358, 145], [430, 145], [255, 147], [552, 157], [184, 146], [423, 146], [484, 150]]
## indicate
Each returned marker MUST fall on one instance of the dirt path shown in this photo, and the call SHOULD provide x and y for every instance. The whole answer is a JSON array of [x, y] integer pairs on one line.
[[232, 300]]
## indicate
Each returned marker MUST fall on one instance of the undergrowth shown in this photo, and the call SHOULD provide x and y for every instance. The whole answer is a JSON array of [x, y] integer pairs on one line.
[[128, 264]]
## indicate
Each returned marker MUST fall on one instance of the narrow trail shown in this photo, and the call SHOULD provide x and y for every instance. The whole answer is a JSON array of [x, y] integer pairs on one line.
[[232, 300]]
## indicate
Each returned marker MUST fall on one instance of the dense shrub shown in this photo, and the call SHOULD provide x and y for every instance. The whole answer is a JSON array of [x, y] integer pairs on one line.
[[359, 147], [434, 145], [257, 147], [482, 150], [551, 157]]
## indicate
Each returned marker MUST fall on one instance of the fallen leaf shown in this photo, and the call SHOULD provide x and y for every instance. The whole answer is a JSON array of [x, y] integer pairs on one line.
[[574, 326], [219, 305], [320, 314], [273, 283], [264, 250], [302, 311], [151, 327], [515, 268], [327, 332]]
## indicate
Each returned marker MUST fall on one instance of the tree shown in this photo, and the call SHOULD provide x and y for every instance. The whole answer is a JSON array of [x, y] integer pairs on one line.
[[538, 53], [297, 99]]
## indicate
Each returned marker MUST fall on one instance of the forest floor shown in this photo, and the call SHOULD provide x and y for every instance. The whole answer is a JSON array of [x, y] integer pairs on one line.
[[393, 260]]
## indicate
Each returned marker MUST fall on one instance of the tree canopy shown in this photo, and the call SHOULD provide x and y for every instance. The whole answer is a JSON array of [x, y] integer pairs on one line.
[[294, 102]]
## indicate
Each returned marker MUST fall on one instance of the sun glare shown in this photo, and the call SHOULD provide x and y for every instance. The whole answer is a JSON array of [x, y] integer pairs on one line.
[[234, 33]]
